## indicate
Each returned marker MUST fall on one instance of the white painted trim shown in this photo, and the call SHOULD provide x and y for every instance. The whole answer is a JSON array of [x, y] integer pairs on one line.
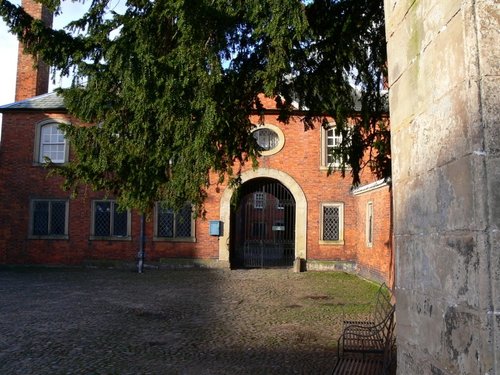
[[372, 186]]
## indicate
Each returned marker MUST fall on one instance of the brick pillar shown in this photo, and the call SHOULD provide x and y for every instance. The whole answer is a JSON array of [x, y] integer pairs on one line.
[[32, 77]]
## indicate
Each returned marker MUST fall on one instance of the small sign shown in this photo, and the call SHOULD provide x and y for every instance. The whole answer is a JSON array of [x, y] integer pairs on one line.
[[278, 228], [216, 228]]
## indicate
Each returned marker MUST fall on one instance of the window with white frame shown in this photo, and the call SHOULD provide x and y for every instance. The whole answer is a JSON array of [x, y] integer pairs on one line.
[[50, 143], [331, 139], [369, 224], [332, 223], [172, 225], [108, 221], [49, 218]]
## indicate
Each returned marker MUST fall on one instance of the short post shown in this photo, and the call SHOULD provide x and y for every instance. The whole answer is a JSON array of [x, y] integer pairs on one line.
[[141, 253], [297, 265]]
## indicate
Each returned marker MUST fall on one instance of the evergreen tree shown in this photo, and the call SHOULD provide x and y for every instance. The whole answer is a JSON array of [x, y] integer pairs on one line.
[[170, 85]]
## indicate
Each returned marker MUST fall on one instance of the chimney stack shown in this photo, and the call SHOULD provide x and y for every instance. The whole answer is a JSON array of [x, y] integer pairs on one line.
[[32, 78]]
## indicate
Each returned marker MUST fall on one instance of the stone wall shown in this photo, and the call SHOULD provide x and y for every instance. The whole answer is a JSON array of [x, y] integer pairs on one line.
[[444, 99]]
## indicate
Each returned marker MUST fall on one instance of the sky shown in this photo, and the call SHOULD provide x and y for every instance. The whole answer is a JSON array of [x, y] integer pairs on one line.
[[8, 50], [71, 10], [8, 60]]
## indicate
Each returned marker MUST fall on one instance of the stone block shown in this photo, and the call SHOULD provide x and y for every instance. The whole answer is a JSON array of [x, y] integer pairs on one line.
[[442, 63], [491, 114], [494, 239], [402, 149], [441, 133], [419, 319], [404, 98], [447, 265], [420, 27], [416, 270], [493, 198], [455, 196], [462, 350], [451, 333], [497, 342], [488, 20]]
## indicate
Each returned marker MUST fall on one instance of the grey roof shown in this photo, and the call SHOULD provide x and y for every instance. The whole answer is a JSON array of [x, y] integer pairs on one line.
[[50, 101]]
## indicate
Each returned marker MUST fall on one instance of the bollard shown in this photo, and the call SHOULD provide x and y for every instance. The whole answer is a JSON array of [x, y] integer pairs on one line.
[[296, 265]]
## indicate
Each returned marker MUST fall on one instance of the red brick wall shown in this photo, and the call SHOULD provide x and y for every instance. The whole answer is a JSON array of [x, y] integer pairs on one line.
[[32, 76], [376, 262], [299, 158], [22, 180]]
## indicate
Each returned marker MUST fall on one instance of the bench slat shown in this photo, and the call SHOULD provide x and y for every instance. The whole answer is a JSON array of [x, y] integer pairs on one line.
[[358, 366]]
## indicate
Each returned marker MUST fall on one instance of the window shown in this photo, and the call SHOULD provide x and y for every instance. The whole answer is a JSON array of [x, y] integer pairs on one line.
[[173, 225], [259, 200], [369, 224], [330, 140], [279, 204], [332, 223], [270, 138], [49, 218], [266, 138], [108, 221], [50, 143]]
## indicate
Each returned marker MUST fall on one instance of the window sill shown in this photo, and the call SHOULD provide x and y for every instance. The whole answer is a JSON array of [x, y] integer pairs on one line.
[[110, 238], [48, 237], [333, 167], [175, 239], [38, 164], [340, 242]]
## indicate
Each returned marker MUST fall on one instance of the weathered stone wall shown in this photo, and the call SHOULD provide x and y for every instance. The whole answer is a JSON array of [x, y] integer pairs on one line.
[[444, 77]]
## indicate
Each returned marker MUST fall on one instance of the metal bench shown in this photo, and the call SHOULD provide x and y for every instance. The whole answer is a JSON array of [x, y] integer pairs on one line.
[[366, 346]]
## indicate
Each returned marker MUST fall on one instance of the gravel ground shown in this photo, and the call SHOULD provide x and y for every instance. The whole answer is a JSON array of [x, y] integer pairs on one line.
[[190, 321]]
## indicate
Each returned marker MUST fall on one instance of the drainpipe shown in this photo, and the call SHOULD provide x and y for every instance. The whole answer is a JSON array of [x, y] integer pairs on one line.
[[140, 255]]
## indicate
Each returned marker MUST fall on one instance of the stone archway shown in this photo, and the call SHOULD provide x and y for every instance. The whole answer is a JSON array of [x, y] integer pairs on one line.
[[300, 217]]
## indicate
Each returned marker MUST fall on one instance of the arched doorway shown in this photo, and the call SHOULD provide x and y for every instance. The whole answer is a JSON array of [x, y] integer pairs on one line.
[[300, 210], [263, 225]]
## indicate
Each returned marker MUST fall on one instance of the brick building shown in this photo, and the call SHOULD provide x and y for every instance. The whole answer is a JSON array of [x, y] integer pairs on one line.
[[289, 206]]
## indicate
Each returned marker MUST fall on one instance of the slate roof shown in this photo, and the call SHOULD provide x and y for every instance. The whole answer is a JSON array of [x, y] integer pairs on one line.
[[45, 102]]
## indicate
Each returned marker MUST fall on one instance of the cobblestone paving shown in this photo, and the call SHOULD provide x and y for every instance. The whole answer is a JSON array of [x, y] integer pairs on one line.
[[191, 321]]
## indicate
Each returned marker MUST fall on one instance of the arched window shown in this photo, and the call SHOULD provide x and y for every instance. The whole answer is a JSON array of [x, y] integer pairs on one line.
[[50, 143]]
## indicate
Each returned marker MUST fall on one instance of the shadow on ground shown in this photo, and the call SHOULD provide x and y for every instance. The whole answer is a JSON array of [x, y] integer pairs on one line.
[[192, 321]]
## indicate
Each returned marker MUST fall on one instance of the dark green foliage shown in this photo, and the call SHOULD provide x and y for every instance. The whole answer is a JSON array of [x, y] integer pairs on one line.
[[346, 48], [171, 85]]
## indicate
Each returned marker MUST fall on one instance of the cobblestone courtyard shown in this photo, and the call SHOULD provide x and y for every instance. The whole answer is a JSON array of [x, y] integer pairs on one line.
[[191, 321]]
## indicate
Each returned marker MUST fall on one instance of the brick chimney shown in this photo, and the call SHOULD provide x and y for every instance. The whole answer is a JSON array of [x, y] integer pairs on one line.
[[32, 78]]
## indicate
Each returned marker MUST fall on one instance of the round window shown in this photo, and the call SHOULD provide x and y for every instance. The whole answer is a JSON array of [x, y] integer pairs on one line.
[[266, 138], [270, 138]]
